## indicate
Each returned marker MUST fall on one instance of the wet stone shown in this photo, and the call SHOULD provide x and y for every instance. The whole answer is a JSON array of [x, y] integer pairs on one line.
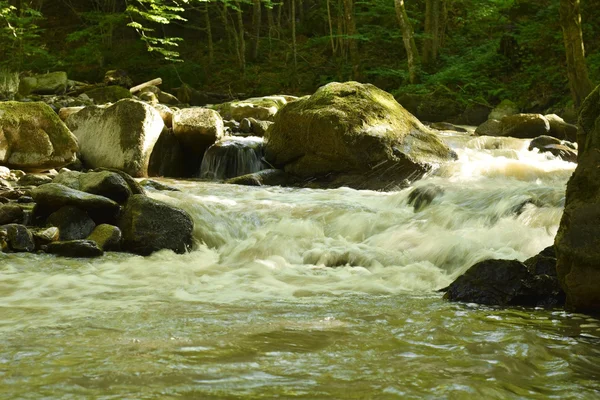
[[75, 248]]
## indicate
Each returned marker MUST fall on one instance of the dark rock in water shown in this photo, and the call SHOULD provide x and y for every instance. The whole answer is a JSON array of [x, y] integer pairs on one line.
[[19, 238], [353, 134], [246, 125], [75, 248], [266, 177], [446, 126], [134, 186], [578, 239], [34, 180], [149, 183], [106, 183], [422, 196], [554, 146], [108, 237], [10, 213], [52, 196], [510, 283], [73, 223], [149, 225]]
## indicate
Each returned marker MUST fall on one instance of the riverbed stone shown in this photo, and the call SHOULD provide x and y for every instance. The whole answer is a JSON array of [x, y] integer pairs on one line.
[[266, 177], [51, 83], [108, 237], [578, 238], [75, 249], [422, 196], [44, 236], [353, 134], [33, 138], [10, 213], [72, 223], [260, 108], [150, 225], [168, 157], [121, 136], [105, 183], [197, 128], [447, 126], [34, 180], [19, 238], [52, 196], [525, 126]]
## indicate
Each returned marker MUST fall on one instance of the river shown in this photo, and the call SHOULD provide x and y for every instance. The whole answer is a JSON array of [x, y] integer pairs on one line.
[[309, 294]]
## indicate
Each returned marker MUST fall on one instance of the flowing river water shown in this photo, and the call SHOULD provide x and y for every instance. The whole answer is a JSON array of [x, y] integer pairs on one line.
[[311, 294]]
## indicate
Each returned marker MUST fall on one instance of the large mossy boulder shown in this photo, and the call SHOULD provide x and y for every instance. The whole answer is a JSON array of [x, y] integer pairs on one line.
[[578, 238], [33, 138], [121, 136], [352, 134], [525, 126], [150, 225]]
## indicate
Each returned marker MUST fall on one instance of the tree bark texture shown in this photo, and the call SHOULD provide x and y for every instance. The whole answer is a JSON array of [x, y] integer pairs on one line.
[[408, 37]]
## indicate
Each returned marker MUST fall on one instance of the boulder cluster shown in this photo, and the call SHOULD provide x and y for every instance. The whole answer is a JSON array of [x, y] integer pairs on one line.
[[77, 214]]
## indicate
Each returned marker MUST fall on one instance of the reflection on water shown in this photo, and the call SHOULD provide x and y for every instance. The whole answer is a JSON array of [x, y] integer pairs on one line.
[[308, 294]]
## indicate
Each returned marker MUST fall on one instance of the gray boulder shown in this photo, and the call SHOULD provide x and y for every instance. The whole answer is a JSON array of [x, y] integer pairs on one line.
[[33, 138], [525, 126], [197, 128], [149, 225], [121, 136]]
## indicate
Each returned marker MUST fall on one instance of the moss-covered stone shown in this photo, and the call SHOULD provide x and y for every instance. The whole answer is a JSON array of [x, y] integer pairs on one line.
[[51, 83], [578, 239], [261, 108], [354, 135], [33, 138], [108, 94], [505, 108], [108, 237], [525, 126]]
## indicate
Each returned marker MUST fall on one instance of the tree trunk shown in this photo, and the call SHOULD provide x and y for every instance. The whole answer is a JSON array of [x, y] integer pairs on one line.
[[329, 20], [256, 17], [209, 37], [408, 37], [579, 80], [241, 40], [432, 31], [351, 31], [293, 18]]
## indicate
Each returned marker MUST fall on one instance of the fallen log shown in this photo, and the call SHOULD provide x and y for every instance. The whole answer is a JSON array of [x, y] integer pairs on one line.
[[153, 82]]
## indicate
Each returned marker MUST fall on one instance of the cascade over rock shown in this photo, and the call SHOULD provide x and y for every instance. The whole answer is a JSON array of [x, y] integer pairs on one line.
[[352, 134], [33, 138], [121, 136], [578, 238]]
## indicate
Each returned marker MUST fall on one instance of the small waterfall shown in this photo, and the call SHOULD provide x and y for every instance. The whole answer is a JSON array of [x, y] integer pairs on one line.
[[231, 157]]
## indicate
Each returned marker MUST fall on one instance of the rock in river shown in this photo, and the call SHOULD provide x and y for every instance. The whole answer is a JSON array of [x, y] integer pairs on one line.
[[352, 134]]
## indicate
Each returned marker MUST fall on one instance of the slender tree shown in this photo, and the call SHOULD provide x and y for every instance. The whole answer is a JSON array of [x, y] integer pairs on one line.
[[577, 72], [256, 18], [351, 36], [408, 37]]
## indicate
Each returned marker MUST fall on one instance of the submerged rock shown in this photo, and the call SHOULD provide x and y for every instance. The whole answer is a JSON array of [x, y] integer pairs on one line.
[[422, 196], [578, 238], [149, 225], [510, 283], [121, 136], [266, 177], [33, 138], [75, 248], [352, 134], [554, 146]]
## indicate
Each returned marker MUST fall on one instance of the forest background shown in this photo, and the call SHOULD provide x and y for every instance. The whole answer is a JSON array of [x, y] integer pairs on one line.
[[442, 59]]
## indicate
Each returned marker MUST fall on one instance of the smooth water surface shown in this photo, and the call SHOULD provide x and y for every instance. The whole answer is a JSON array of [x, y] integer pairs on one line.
[[312, 294]]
